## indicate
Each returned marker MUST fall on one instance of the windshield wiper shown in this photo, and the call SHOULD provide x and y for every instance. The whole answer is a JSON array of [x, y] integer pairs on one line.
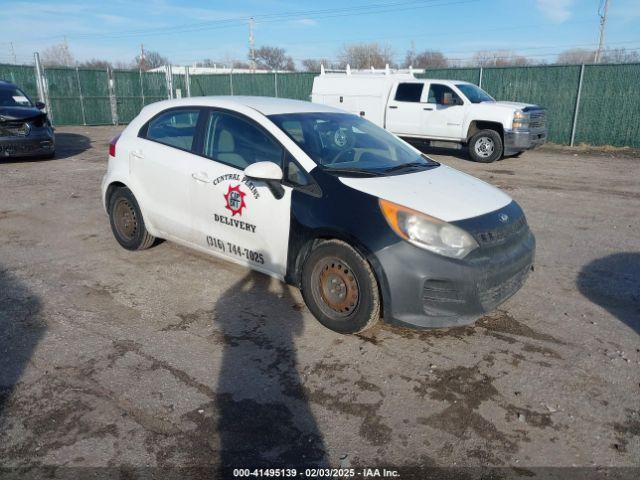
[[404, 166], [356, 171]]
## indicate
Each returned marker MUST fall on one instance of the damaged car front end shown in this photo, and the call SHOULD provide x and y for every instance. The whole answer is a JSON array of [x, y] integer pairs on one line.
[[25, 129]]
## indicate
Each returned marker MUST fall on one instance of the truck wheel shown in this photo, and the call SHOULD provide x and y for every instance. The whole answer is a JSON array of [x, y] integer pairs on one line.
[[485, 146], [340, 289], [126, 221]]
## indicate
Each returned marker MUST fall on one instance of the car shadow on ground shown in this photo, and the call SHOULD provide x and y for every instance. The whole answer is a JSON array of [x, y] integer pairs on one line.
[[70, 144], [264, 417], [21, 329], [67, 145], [613, 282]]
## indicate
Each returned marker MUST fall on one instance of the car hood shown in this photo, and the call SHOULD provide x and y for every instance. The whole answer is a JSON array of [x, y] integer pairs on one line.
[[441, 192], [519, 105], [8, 114]]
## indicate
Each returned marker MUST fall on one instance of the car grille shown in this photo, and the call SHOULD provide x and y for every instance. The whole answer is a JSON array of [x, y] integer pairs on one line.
[[500, 235], [538, 119], [491, 295], [14, 129]]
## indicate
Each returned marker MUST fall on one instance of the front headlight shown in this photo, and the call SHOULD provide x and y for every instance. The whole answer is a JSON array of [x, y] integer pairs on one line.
[[427, 232], [520, 120]]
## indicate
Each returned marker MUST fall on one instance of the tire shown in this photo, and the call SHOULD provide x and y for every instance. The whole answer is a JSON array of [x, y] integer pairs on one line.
[[49, 156], [353, 305], [126, 221], [485, 146]]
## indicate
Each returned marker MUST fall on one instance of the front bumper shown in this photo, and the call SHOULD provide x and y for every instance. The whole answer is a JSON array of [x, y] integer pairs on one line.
[[518, 140], [427, 290], [36, 144]]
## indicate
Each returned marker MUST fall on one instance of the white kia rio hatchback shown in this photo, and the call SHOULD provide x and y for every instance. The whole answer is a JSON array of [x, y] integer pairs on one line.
[[363, 223]]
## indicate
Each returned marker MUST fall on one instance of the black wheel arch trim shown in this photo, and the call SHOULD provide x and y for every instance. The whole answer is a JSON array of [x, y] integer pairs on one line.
[[298, 256], [113, 186]]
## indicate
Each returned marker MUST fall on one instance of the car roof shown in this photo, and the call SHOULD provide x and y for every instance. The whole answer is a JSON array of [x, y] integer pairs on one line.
[[442, 80], [264, 105]]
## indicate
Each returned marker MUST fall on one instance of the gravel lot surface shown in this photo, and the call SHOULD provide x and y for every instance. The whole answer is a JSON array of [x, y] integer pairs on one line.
[[110, 358]]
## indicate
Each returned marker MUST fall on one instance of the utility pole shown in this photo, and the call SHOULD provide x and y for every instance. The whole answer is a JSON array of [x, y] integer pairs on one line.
[[66, 54], [252, 52], [603, 25], [142, 57], [12, 51]]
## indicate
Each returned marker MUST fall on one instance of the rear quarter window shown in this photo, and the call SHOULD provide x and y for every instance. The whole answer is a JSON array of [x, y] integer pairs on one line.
[[409, 92], [175, 128]]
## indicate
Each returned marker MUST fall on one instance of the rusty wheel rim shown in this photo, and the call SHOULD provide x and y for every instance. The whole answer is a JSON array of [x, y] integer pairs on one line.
[[125, 219], [335, 287]]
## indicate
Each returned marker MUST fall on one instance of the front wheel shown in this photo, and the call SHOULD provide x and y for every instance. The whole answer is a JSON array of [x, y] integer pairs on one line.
[[485, 146], [340, 288]]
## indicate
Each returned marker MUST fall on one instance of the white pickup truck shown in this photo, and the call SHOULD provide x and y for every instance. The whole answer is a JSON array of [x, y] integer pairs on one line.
[[444, 113]]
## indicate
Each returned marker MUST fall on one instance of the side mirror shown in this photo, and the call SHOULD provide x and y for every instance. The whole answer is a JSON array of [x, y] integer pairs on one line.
[[264, 171], [40, 105], [268, 172]]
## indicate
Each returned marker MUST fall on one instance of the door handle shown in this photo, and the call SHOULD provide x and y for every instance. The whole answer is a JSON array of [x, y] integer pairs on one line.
[[393, 106], [428, 108], [200, 176], [137, 154]]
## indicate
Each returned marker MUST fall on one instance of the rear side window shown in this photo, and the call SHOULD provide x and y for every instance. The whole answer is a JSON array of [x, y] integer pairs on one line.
[[409, 92], [175, 128], [238, 142]]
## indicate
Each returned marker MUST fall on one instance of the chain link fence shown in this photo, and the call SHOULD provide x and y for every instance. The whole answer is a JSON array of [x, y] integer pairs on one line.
[[592, 104]]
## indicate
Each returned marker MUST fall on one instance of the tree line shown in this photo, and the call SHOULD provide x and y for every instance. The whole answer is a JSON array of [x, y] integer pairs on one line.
[[357, 56]]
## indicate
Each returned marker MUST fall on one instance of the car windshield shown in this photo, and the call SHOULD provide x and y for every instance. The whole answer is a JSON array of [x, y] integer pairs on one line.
[[347, 144], [474, 94], [13, 97]]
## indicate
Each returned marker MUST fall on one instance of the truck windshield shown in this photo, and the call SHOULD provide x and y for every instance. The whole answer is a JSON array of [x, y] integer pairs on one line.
[[474, 94], [347, 144]]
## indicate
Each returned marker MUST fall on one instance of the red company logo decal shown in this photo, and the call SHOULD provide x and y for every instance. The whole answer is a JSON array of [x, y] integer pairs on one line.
[[235, 200]]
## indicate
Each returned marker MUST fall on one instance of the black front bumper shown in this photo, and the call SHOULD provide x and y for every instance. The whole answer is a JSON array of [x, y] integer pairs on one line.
[[39, 142], [424, 289]]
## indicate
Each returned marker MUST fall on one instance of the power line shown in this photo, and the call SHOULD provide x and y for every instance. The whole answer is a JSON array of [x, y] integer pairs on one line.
[[378, 38], [368, 9]]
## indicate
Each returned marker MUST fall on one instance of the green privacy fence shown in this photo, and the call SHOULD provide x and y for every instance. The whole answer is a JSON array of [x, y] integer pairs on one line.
[[609, 111], [593, 104], [471, 75], [542, 86], [608, 108]]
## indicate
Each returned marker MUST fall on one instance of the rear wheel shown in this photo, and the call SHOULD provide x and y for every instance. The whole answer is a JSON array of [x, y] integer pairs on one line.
[[340, 288], [126, 221], [485, 146]]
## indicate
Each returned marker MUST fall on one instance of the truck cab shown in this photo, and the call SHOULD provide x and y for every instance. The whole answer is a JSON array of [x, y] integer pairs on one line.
[[442, 113]]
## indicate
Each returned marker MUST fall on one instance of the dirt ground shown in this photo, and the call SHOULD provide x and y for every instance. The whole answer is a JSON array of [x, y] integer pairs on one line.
[[169, 358]]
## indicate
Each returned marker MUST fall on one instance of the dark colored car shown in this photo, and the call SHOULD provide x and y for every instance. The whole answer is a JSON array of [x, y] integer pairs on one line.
[[25, 129]]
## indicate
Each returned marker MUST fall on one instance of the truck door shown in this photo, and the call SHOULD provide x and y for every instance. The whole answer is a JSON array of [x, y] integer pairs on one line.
[[404, 110], [443, 113]]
